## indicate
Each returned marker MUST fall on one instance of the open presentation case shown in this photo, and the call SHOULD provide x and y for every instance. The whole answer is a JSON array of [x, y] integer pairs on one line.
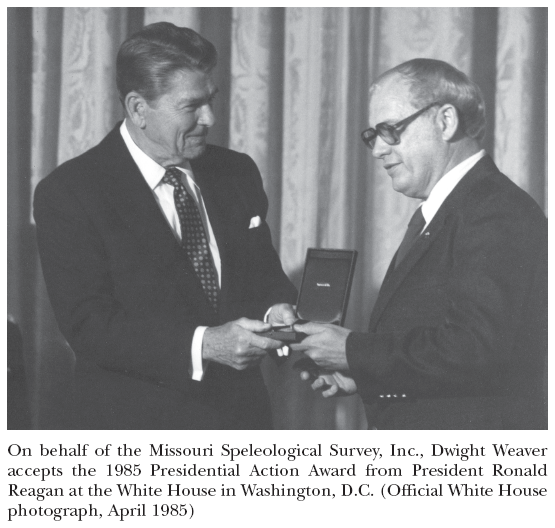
[[324, 292]]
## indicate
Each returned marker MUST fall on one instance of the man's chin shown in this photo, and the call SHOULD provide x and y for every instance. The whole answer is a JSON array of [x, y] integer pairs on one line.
[[194, 152], [399, 185]]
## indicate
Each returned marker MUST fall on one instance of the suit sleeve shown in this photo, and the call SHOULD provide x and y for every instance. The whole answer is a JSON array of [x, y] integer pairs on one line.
[[77, 274], [494, 257]]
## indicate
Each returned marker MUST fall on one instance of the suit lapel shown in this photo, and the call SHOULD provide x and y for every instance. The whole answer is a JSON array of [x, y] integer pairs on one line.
[[395, 277], [205, 176], [130, 195], [221, 205]]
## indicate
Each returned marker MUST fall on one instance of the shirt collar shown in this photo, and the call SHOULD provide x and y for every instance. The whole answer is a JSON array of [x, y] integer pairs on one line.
[[446, 184], [151, 171]]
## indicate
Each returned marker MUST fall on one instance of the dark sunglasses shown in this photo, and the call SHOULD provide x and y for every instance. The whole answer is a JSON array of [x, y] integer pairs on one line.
[[391, 134]]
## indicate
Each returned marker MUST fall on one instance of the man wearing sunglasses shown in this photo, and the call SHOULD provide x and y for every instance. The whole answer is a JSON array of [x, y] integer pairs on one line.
[[458, 336]]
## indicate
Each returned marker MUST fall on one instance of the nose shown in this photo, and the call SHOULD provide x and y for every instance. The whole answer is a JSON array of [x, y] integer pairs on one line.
[[206, 115], [381, 148]]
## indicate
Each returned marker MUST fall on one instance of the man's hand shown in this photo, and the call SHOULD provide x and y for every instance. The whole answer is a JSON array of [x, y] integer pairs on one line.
[[333, 384], [325, 345], [282, 314], [235, 344]]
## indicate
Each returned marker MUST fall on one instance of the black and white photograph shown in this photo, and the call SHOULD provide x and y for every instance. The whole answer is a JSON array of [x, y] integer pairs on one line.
[[272, 218], [277, 265]]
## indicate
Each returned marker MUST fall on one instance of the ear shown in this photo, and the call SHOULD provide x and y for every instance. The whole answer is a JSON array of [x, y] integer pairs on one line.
[[136, 107], [449, 121]]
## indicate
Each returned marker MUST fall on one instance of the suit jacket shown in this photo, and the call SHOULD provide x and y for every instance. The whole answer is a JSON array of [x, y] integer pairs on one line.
[[128, 301], [458, 336]]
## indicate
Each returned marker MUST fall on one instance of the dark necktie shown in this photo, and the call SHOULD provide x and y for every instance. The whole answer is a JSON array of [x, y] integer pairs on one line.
[[414, 228], [193, 236]]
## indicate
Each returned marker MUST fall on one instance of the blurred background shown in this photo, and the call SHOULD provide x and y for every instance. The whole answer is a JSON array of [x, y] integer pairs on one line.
[[293, 95]]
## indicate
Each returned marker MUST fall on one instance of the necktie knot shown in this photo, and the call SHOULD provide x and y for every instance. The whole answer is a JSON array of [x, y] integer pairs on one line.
[[416, 224], [417, 219], [172, 177]]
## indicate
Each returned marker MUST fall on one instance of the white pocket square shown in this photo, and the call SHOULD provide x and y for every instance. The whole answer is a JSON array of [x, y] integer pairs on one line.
[[255, 222]]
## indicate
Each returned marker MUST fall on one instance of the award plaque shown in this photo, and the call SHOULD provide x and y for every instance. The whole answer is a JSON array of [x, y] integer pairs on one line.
[[324, 292]]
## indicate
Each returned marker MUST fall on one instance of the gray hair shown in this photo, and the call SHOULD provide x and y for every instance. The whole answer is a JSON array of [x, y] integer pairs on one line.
[[433, 80]]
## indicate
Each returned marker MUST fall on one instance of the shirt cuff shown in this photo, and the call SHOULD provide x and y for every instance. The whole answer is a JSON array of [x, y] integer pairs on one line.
[[197, 369], [284, 350], [267, 314]]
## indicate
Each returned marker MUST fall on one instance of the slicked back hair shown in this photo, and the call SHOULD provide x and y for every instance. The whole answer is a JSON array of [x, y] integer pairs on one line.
[[432, 80], [148, 59]]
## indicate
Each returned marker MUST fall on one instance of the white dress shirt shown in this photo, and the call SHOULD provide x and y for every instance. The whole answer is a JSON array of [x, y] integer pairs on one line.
[[163, 194], [446, 184]]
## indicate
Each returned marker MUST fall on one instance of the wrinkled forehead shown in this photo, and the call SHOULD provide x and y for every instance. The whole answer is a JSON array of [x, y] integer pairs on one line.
[[390, 101]]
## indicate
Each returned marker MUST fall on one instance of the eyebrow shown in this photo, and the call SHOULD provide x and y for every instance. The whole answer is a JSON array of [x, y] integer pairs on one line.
[[198, 100]]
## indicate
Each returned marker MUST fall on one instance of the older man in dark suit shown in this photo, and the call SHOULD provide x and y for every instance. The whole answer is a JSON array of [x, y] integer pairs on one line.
[[458, 336], [157, 257]]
